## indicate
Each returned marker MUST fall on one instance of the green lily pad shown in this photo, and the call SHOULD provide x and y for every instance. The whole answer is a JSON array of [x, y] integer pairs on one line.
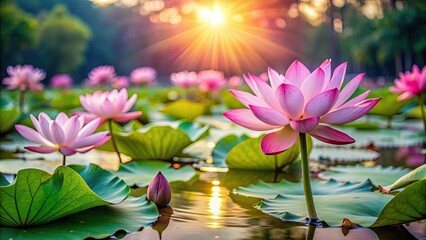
[[362, 208], [415, 113], [63, 101], [230, 101], [389, 105], [378, 175], [141, 173], [342, 155], [330, 187], [223, 147], [185, 109], [159, 142], [36, 197], [9, 116], [248, 155], [417, 174], [409, 205], [99, 222]]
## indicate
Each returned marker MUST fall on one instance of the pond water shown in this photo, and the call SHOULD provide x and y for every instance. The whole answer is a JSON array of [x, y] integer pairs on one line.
[[205, 208]]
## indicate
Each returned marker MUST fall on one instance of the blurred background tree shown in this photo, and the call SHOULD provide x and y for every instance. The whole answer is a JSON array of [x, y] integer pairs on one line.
[[63, 40], [18, 32]]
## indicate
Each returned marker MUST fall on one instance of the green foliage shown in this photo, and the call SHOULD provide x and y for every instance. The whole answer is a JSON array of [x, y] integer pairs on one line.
[[378, 175], [417, 174], [362, 208], [18, 31], [330, 187], [100, 222], [141, 173], [63, 39], [159, 142], [408, 206], [389, 105], [185, 109], [247, 154], [36, 197]]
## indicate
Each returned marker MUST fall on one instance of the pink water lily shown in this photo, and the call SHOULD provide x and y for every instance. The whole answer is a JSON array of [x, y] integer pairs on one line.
[[68, 135], [114, 105], [410, 84], [184, 79], [24, 78], [120, 82], [300, 102], [101, 76], [143, 76], [211, 80], [235, 81], [61, 81]]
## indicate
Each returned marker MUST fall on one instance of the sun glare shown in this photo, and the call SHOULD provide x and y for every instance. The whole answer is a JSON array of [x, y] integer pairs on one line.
[[214, 17]]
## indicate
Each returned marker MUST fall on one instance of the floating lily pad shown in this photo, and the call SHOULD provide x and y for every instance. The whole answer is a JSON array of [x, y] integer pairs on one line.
[[36, 197], [383, 138], [408, 205], [330, 187], [141, 173], [378, 175], [100, 222], [415, 113], [362, 208], [389, 105], [159, 142], [185, 109], [223, 147], [417, 174], [9, 116], [342, 155], [248, 155]]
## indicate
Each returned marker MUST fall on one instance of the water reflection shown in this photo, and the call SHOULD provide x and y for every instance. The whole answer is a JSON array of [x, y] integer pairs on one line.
[[215, 203]]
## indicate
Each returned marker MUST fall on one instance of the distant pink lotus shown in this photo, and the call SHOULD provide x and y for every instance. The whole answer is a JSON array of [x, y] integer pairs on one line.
[[120, 82], [235, 81], [184, 79], [264, 76], [410, 84], [66, 135], [211, 80], [143, 76], [300, 102], [61, 81], [101, 76], [113, 105], [24, 78]]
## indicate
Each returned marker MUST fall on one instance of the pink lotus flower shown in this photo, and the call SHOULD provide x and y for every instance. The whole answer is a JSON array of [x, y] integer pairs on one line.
[[61, 81], [211, 81], [24, 78], [264, 76], [66, 135], [159, 191], [120, 82], [143, 76], [113, 105], [184, 79], [101, 76], [300, 102], [235, 81], [410, 84]]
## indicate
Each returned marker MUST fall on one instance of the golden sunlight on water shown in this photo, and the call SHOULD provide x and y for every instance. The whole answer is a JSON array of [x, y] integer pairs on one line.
[[215, 203]]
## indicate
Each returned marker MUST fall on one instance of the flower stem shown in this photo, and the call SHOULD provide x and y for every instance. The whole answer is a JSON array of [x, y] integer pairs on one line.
[[63, 159], [305, 177], [21, 100], [114, 144], [422, 110]]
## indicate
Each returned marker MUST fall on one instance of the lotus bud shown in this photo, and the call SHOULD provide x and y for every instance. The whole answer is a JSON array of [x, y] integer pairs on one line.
[[159, 190]]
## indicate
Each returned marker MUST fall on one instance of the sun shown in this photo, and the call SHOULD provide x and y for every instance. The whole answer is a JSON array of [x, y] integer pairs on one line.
[[214, 16]]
